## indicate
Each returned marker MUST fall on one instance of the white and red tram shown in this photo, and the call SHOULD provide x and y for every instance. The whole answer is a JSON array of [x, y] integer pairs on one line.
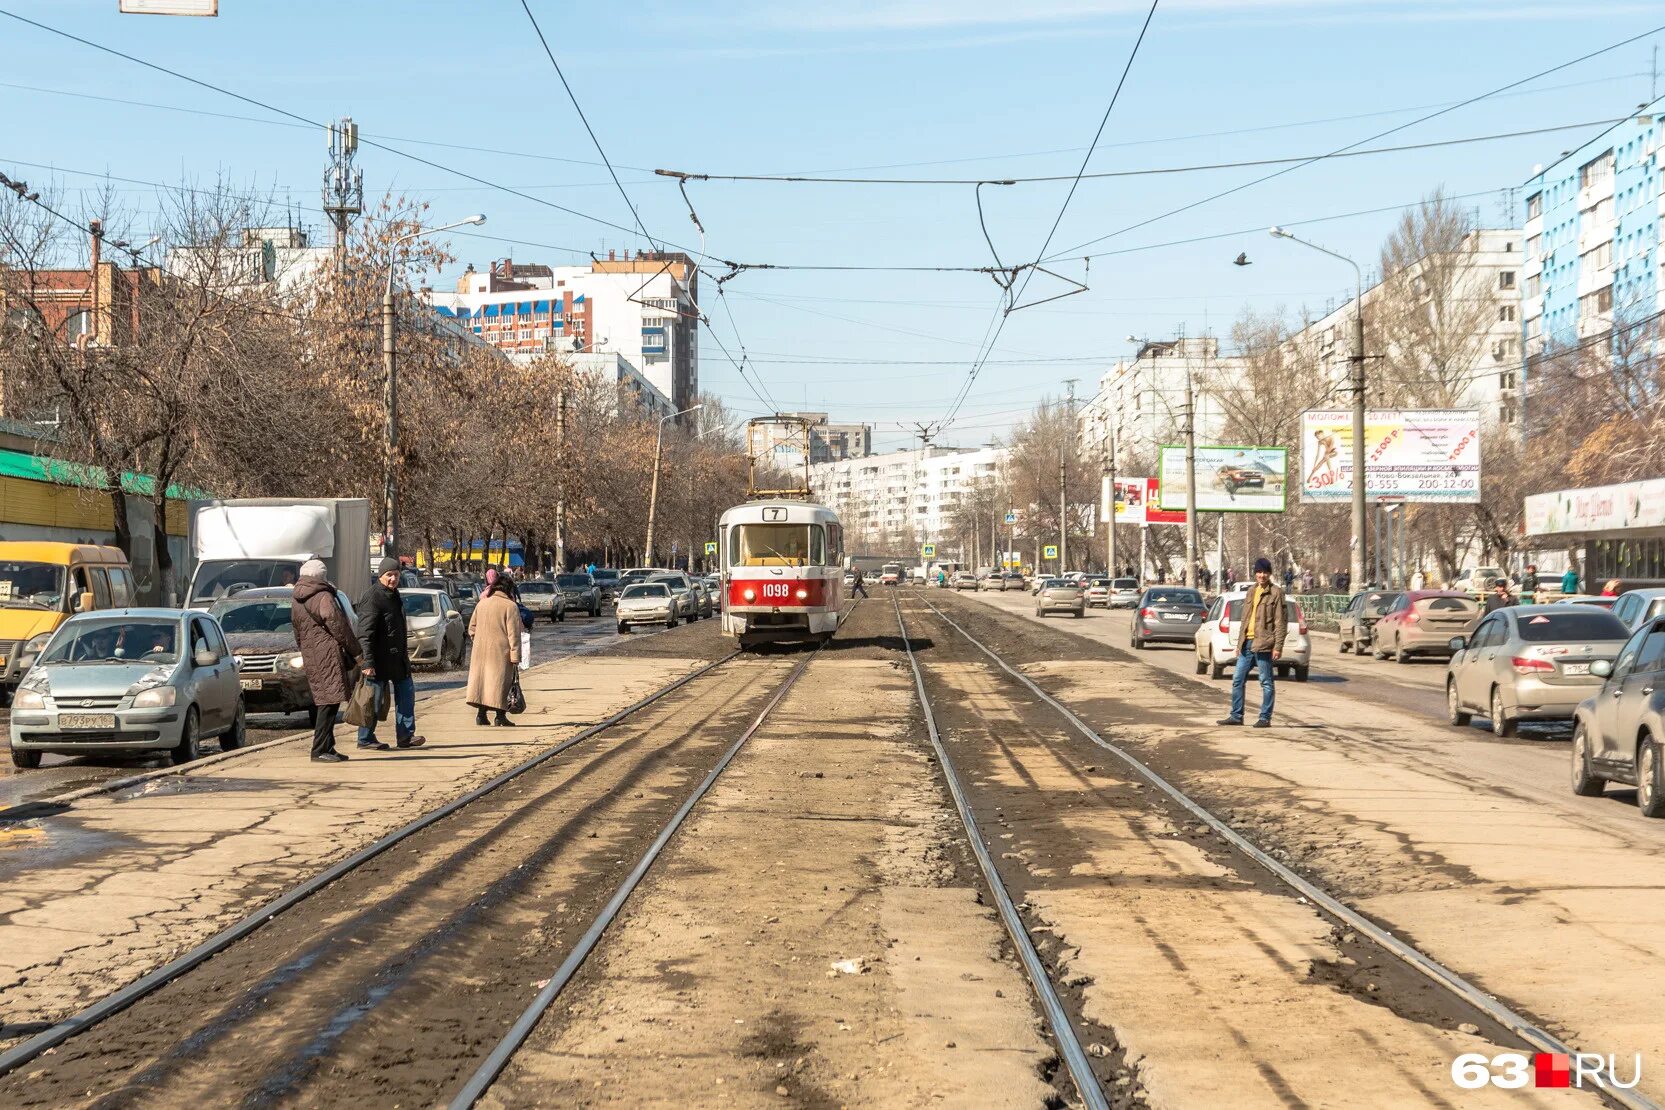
[[783, 578]]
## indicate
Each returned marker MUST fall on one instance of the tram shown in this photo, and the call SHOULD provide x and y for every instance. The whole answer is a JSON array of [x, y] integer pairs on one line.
[[783, 577]]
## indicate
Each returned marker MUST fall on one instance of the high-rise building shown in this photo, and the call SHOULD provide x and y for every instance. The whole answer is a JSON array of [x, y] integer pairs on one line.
[[1140, 402], [891, 503]]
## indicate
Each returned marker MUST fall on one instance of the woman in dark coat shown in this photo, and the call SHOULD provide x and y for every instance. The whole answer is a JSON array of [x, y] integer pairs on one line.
[[330, 649]]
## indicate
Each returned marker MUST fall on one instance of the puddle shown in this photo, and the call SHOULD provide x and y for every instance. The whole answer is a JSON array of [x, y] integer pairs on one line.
[[169, 785], [33, 845]]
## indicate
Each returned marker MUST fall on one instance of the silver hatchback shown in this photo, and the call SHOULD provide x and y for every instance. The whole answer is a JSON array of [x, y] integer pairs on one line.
[[1529, 663], [1061, 595], [126, 681]]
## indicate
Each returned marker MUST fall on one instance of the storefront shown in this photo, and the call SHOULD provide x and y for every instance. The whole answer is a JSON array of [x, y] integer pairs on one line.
[[1616, 531]]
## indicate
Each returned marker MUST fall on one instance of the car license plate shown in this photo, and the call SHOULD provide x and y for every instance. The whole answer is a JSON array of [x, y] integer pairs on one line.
[[86, 720], [1575, 668], [252, 683]]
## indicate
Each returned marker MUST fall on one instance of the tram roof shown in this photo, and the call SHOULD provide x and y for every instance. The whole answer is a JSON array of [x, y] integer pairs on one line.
[[779, 512]]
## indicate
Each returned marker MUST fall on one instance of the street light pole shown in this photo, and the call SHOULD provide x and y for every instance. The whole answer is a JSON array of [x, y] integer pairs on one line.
[[390, 392], [1355, 563], [653, 492]]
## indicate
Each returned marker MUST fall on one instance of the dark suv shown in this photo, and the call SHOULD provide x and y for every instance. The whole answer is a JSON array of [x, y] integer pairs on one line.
[[580, 591]]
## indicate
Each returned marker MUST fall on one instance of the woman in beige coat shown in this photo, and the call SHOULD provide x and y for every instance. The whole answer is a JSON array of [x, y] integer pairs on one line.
[[495, 628]]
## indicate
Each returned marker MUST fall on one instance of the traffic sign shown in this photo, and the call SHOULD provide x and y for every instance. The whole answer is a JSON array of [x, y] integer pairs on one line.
[[1050, 551], [929, 551], [1011, 517], [711, 547]]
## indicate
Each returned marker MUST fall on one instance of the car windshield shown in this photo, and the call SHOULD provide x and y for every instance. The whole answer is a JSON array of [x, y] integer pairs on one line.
[[115, 641], [1127, 584], [1058, 584], [1572, 625], [466, 589], [573, 581], [268, 615], [420, 605], [217, 578], [1100, 582], [606, 576], [1178, 597], [675, 582], [537, 587], [31, 585], [645, 589], [1377, 604], [1447, 606]]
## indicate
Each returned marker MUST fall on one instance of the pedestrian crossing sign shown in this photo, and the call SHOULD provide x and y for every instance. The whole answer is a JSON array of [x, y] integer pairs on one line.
[[1050, 551], [711, 547], [928, 551]]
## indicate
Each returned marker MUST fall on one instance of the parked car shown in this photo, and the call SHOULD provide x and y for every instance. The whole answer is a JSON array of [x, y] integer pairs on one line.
[[125, 681], [965, 580], [1216, 640], [703, 595], [1478, 580], [1634, 607], [1356, 621], [1618, 730], [682, 589], [646, 603], [261, 636], [1060, 595], [580, 592], [467, 595], [1422, 622], [890, 574], [637, 574], [607, 582], [435, 633], [990, 580], [1124, 593], [1012, 580], [1167, 615], [541, 597], [1098, 592], [1529, 663], [1586, 599]]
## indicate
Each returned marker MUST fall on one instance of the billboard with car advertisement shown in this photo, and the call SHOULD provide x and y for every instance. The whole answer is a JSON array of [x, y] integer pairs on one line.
[[1409, 455], [1229, 479], [1138, 501]]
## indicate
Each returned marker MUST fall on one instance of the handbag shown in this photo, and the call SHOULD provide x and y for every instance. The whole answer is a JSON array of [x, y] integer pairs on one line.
[[361, 706], [517, 698]]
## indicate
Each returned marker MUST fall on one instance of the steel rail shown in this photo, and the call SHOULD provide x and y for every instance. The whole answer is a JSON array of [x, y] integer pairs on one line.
[[1443, 976], [112, 1004], [1075, 1057], [493, 1065]]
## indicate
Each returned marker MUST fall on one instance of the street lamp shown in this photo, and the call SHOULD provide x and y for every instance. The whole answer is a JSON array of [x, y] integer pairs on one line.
[[390, 394], [653, 494], [1355, 564]]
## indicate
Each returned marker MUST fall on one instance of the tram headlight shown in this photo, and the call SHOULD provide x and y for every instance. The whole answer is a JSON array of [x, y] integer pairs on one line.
[[803, 594], [749, 594]]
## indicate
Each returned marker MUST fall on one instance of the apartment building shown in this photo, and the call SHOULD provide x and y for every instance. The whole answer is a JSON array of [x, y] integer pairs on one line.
[[1140, 403], [892, 502]]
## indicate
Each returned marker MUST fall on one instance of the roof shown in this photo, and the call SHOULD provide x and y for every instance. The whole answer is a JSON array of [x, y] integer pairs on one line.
[[141, 613], [40, 468], [40, 551]]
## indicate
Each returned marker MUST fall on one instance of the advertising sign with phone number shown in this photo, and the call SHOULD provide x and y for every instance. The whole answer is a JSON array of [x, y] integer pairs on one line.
[[1409, 455]]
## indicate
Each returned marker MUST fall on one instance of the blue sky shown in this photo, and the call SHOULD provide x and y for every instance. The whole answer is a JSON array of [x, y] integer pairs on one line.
[[937, 88]]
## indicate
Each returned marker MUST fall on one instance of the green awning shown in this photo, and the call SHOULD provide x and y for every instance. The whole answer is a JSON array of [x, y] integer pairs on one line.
[[36, 468]]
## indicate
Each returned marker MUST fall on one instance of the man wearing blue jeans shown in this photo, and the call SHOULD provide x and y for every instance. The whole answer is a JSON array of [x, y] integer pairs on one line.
[[1260, 636], [381, 632]]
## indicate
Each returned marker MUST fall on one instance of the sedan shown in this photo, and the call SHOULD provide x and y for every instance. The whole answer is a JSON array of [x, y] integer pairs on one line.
[[1216, 640], [682, 590], [1012, 580], [1529, 663], [1060, 595], [1167, 615], [580, 592], [543, 599], [646, 603], [1634, 607], [1423, 622], [1124, 593], [965, 580], [1618, 732], [129, 681], [435, 633], [1098, 592], [1363, 610]]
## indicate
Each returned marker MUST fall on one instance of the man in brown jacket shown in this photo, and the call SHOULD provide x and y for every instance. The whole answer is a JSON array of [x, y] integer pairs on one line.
[[1260, 636], [330, 650]]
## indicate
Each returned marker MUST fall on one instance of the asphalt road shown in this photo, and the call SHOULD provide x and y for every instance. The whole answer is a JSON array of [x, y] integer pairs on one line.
[[62, 774]]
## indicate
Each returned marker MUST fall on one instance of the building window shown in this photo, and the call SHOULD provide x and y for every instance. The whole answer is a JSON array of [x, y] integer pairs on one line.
[[1594, 304], [1506, 279], [1534, 247], [1506, 380], [77, 324], [1506, 413], [1601, 258], [1506, 314], [1595, 171], [1534, 206], [1534, 285]]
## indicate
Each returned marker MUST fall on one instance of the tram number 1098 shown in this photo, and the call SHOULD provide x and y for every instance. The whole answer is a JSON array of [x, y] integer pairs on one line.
[[775, 591]]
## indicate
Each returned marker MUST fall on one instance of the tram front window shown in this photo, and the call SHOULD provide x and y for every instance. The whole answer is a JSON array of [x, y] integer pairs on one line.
[[778, 545]]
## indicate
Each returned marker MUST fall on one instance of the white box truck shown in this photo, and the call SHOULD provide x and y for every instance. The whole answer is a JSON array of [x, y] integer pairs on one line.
[[262, 541]]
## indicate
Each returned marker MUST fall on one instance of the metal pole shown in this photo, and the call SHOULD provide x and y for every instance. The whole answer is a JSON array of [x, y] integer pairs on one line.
[[1355, 564], [1063, 516], [560, 482], [390, 399], [1190, 478], [653, 492]]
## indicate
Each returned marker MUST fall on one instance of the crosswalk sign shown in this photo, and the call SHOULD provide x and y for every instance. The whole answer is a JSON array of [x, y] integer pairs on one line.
[[711, 547], [1011, 517], [928, 551], [1050, 550]]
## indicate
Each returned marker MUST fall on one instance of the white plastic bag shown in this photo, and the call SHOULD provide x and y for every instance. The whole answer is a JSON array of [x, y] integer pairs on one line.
[[525, 650]]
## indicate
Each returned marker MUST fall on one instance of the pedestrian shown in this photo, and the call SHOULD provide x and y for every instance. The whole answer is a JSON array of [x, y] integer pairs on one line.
[[1499, 597], [1260, 637], [330, 651], [1418, 580], [1529, 580], [1611, 589], [381, 631], [858, 586], [1288, 577], [1569, 581], [495, 629]]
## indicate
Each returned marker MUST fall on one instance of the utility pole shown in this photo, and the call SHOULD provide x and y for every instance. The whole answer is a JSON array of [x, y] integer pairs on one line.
[[1190, 478], [1109, 469], [343, 184], [1063, 516], [560, 481]]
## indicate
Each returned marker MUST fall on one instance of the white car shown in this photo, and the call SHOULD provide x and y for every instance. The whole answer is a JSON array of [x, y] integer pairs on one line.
[[646, 603], [1124, 593], [1098, 592], [1216, 640]]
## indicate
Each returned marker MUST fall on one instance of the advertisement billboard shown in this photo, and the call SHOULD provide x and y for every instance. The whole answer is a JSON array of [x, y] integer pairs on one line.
[[1409, 455], [1229, 479], [1138, 501]]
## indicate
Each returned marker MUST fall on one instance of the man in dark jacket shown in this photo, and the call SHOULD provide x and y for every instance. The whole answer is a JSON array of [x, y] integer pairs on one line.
[[381, 632], [1499, 597], [330, 651], [1260, 636]]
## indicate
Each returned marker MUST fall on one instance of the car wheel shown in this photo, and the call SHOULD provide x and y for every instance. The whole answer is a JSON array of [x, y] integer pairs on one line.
[[1650, 787], [1502, 723], [1399, 655], [595, 610], [670, 624], [1137, 644], [1584, 781], [189, 747], [25, 761], [624, 629], [1216, 671], [1454, 714], [1376, 652], [1360, 647], [1346, 646], [1301, 673], [1202, 667], [232, 738]]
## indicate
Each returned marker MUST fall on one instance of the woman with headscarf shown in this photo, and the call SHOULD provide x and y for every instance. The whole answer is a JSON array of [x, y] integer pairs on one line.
[[495, 628]]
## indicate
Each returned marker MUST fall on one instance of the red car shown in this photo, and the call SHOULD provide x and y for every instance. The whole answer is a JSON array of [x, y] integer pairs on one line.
[[1422, 622]]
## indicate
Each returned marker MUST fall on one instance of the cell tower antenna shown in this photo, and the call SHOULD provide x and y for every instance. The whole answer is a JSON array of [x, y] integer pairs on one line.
[[343, 183]]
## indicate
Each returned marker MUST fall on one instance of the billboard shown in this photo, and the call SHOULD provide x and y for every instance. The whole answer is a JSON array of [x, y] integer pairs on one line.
[[1229, 479], [1410, 455], [1137, 502]]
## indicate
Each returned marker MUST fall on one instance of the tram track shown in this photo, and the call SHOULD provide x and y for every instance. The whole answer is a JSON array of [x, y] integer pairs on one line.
[[1490, 1011], [350, 994]]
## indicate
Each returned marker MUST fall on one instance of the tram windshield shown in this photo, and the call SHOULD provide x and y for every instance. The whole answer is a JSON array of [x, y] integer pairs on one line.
[[778, 545]]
